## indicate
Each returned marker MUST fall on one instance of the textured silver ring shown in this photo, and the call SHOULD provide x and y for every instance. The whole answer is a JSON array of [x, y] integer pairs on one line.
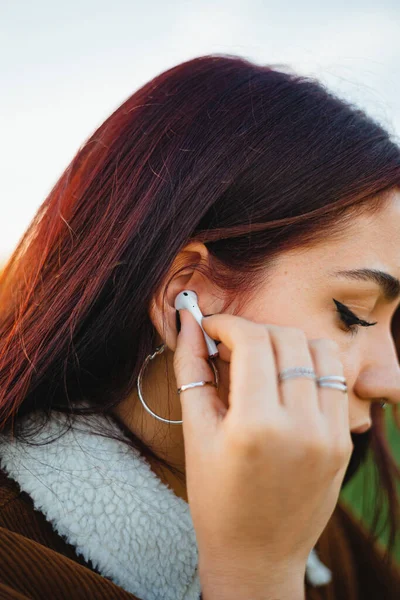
[[294, 372]]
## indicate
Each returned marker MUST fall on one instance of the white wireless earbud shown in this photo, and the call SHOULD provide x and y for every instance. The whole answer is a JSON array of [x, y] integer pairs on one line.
[[188, 299]]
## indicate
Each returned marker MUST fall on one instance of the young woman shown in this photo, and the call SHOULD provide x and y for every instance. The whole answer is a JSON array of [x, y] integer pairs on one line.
[[278, 205]]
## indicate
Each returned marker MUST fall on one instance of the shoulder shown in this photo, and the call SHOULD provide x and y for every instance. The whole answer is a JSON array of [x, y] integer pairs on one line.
[[18, 515], [36, 562], [9, 490]]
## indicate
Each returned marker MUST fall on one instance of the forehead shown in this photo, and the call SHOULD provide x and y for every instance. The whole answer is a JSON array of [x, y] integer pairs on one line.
[[368, 240], [373, 239]]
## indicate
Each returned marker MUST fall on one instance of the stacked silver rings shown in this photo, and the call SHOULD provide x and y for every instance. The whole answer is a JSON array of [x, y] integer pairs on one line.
[[336, 382]]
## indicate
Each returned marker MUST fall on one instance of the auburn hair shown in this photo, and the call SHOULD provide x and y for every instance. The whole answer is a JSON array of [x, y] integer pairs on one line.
[[249, 159]]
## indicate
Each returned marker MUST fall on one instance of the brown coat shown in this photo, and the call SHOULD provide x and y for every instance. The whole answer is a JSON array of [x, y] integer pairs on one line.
[[36, 563]]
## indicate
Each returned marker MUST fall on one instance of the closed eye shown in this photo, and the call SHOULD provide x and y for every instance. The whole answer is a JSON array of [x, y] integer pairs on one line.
[[350, 321]]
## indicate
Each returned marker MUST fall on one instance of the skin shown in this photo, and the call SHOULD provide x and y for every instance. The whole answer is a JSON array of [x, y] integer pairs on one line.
[[298, 293]]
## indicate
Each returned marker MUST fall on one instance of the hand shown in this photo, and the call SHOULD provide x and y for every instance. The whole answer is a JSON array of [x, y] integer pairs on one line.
[[263, 475]]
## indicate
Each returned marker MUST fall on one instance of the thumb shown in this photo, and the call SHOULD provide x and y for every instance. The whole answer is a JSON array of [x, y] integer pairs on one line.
[[200, 405]]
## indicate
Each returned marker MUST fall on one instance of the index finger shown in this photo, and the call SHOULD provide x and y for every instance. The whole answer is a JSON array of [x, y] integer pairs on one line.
[[253, 374]]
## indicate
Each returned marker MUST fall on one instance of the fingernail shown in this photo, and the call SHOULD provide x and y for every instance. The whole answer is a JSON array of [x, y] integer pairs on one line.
[[178, 321]]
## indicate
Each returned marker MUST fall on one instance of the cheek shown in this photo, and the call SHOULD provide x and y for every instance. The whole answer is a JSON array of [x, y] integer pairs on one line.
[[279, 311], [280, 301]]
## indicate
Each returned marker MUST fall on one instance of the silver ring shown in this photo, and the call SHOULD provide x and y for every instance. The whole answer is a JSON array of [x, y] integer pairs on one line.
[[188, 386], [335, 382], [342, 387], [195, 384], [149, 357], [294, 372], [332, 378]]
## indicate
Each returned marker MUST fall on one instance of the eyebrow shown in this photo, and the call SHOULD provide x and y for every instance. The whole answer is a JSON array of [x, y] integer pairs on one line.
[[390, 286]]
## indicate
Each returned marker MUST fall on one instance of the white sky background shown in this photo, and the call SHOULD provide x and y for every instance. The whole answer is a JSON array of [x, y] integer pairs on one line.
[[65, 66]]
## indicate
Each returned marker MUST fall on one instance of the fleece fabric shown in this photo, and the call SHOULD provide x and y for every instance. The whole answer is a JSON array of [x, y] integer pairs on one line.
[[105, 500]]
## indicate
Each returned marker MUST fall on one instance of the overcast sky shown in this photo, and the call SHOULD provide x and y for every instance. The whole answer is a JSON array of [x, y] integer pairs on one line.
[[65, 66]]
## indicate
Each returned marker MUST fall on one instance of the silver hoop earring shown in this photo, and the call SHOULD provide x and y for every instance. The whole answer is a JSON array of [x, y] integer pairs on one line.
[[383, 404], [149, 357]]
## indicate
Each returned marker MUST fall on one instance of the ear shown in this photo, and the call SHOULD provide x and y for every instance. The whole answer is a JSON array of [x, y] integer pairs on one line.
[[162, 310]]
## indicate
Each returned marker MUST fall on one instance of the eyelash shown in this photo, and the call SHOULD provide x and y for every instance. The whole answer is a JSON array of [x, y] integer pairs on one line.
[[350, 321]]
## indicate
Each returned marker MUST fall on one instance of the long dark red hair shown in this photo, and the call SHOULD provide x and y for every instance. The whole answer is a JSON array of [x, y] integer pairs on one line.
[[250, 159]]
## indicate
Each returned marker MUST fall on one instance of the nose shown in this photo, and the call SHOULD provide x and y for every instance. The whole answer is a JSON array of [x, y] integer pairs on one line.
[[379, 377]]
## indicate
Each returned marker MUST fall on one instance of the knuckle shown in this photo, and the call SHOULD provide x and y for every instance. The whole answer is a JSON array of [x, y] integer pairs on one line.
[[342, 451], [243, 443], [183, 362], [334, 447], [179, 360], [316, 445], [250, 439]]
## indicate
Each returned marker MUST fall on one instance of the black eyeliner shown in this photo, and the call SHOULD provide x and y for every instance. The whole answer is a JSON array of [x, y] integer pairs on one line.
[[349, 317]]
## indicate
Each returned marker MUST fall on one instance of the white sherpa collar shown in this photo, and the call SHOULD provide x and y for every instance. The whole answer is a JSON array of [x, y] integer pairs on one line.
[[103, 497]]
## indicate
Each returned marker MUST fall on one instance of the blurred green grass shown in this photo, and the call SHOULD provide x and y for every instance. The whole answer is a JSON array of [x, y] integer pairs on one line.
[[360, 493]]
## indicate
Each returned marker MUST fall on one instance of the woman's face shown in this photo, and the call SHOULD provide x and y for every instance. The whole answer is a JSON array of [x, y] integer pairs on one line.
[[301, 291]]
